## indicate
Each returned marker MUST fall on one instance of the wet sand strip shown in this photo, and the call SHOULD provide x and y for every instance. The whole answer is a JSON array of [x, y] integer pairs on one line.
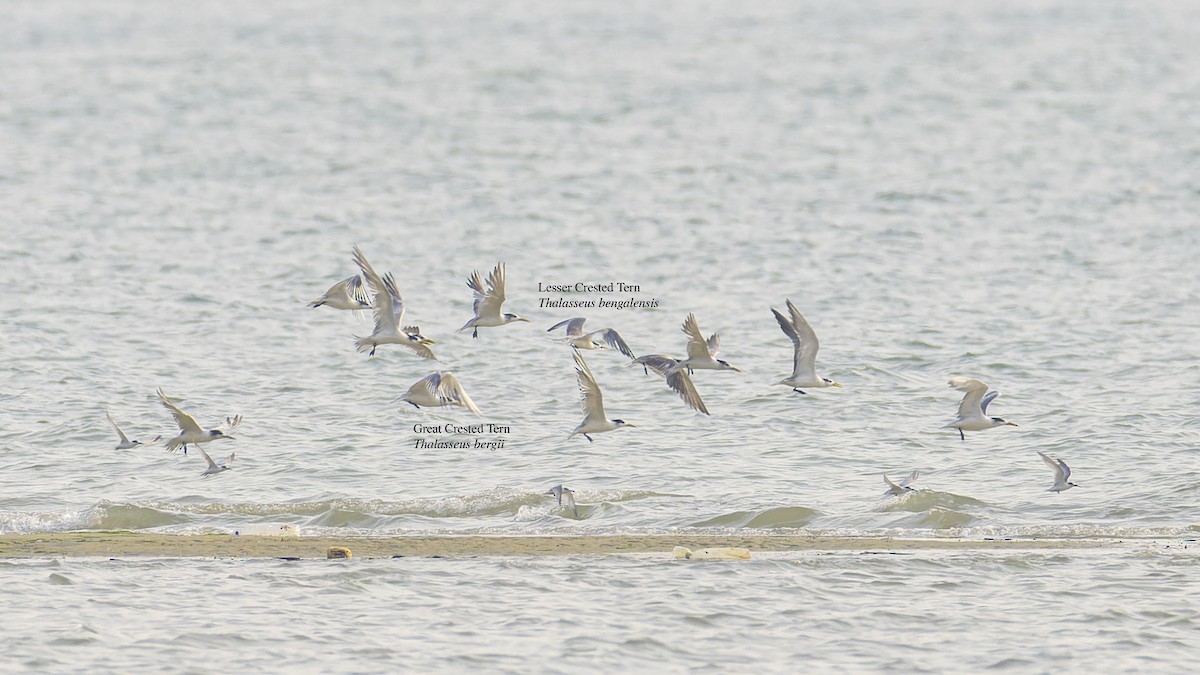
[[137, 544]]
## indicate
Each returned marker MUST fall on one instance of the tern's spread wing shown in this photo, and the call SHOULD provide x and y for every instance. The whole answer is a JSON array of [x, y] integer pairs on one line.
[[356, 291], [228, 461], [678, 380], [803, 357], [186, 422], [972, 403], [593, 400], [574, 326], [912, 478], [425, 388], [389, 306], [697, 346], [115, 427], [488, 299], [613, 339], [211, 464], [350, 289], [809, 344], [991, 396], [1060, 468], [657, 362], [421, 349], [893, 489], [714, 344], [569, 495], [450, 389]]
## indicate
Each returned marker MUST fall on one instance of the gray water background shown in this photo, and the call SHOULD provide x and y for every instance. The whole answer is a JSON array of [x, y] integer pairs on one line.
[[1004, 191]]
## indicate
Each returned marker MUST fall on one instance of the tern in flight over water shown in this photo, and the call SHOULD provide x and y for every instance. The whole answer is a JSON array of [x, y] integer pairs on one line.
[[190, 431], [594, 420], [125, 443], [215, 468], [562, 492], [804, 354], [1061, 473], [348, 293], [488, 301], [439, 389], [389, 314], [604, 338], [896, 490], [972, 411], [676, 375], [701, 353]]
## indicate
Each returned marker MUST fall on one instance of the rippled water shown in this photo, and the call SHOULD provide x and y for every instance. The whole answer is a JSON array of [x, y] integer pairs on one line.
[[949, 612], [1006, 192]]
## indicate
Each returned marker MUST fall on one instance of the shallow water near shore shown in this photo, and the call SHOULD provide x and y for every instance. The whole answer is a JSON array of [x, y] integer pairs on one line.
[[1003, 192]]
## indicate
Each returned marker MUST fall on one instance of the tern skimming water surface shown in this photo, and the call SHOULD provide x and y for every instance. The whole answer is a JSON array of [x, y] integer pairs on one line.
[[1061, 473], [896, 490], [125, 443], [562, 492], [215, 468]]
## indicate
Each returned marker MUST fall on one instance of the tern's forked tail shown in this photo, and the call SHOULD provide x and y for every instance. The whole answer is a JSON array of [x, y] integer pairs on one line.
[[364, 344]]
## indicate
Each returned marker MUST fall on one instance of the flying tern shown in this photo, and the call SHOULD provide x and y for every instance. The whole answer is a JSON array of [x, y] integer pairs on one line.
[[895, 490], [439, 389], [701, 353], [389, 313], [804, 355], [594, 420], [190, 432], [605, 338], [215, 468], [676, 375], [488, 301], [1061, 473], [561, 492], [125, 443], [972, 411], [348, 293]]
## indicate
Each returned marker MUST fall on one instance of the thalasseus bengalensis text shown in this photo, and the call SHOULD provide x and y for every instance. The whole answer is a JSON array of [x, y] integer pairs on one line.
[[972, 411], [676, 375], [439, 389], [605, 338], [345, 294], [562, 492], [190, 432], [594, 420], [488, 301], [215, 467], [125, 443], [804, 351], [389, 313], [1061, 473], [896, 490], [701, 353]]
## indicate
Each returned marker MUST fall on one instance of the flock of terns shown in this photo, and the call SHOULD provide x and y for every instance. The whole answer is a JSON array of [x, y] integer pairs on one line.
[[379, 294]]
